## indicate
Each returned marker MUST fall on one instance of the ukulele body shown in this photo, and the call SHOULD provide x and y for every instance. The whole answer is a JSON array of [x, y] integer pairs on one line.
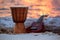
[[36, 28]]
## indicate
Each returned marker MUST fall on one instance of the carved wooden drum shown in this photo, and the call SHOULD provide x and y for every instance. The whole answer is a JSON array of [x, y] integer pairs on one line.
[[19, 14]]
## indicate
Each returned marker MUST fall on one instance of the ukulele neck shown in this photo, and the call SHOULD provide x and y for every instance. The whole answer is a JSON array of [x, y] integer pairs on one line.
[[40, 19]]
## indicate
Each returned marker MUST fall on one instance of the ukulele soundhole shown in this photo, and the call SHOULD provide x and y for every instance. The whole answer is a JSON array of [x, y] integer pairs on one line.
[[33, 28]]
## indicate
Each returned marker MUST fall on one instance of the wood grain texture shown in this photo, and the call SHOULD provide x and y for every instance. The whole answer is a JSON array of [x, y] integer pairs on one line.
[[19, 28]]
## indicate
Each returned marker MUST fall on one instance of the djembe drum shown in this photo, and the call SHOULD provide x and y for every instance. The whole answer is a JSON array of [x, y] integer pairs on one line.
[[19, 15]]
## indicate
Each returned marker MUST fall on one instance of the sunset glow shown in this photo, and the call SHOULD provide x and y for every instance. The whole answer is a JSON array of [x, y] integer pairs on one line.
[[36, 7], [44, 6]]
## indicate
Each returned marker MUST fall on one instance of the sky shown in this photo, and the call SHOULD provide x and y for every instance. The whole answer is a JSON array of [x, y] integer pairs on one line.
[[36, 7]]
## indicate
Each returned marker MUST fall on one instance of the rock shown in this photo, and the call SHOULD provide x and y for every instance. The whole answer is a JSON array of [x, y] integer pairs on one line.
[[51, 24]]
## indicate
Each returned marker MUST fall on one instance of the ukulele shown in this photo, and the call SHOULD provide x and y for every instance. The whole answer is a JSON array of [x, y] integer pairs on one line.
[[37, 27]]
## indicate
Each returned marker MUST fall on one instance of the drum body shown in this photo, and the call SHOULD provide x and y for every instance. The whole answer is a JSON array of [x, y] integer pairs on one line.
[[19, 14]]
